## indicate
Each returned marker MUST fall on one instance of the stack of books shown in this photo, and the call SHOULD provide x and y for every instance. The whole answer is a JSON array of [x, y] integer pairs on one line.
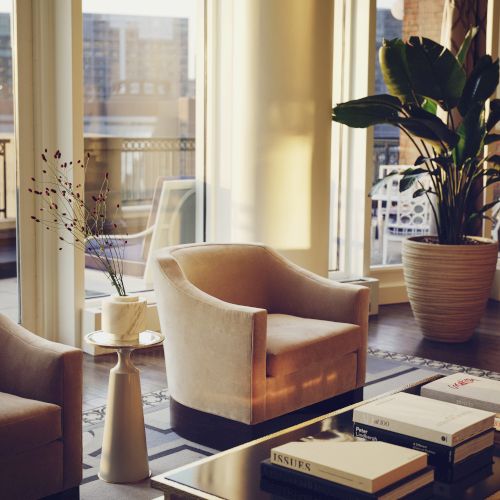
[[319, 469], [468, 390], [458, 439]]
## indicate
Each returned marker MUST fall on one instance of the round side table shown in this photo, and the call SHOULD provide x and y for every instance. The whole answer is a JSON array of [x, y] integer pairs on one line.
[[124, 457]]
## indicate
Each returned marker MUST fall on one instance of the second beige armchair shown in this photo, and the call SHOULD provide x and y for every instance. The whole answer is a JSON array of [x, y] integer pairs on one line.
[[251, 336], [40, 416]]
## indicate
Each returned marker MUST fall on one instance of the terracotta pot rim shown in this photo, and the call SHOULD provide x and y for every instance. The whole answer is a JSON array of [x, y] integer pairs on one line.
[[416, 240]]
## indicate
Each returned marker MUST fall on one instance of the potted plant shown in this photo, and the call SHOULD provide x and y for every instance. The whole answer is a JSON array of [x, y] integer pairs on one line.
[[62, 208], [443, 113]]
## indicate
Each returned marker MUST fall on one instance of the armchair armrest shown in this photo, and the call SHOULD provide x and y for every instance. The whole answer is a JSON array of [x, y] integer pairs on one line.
[[299, 292], [214, 350], [36, 368]]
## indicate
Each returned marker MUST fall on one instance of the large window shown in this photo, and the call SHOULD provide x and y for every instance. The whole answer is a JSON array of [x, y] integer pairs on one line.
[[139, 106], [396, 215], [8, 281]]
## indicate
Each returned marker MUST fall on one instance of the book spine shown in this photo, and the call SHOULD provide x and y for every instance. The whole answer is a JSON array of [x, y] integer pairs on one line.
[[439, 455], [464, 468], [321, 471], [388, 424], [478, 428], [290, 477]]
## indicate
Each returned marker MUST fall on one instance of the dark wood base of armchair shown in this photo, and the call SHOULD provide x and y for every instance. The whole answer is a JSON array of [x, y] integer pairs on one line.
[[222, 433]]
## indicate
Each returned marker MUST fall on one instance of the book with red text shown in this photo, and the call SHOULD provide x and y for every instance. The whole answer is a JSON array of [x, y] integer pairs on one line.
[[466, 390]]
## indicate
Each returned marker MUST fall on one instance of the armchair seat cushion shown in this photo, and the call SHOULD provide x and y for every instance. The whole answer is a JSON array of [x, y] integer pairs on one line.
[[294, 342], [26, 424]]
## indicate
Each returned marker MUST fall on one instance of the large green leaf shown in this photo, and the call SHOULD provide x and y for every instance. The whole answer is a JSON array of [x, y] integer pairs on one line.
[[425, 130], [409, 178], [372, 110], [481, 83], [464, 48], [392, 57], [471, 132], [419, 192], [494, 115], [429, 128], [383, 181], [443, 161], [434, 71]]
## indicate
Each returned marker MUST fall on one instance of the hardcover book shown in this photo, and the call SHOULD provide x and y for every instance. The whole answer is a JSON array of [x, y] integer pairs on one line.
[[438, 454], [451, 463], [361, 465], [290, 484], [423, 418], [466, 390]]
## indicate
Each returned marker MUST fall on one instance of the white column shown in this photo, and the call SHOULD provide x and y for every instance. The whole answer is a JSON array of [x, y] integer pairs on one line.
[[49, 114], [268, 157]]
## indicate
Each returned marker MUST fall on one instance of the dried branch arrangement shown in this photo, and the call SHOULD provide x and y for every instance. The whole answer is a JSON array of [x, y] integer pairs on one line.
[[63, 209]]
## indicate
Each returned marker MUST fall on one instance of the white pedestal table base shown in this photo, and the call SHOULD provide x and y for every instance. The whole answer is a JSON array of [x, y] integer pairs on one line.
[[124, 456]]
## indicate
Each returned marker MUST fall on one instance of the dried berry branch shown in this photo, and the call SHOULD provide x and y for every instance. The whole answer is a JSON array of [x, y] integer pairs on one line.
[[63, 210]]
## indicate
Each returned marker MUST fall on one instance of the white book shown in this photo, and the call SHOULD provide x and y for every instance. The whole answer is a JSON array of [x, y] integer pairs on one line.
[[466, 390], [363, 465], [423, 418]]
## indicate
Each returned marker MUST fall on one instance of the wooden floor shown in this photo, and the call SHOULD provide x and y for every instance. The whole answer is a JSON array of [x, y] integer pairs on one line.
[[394, 329]]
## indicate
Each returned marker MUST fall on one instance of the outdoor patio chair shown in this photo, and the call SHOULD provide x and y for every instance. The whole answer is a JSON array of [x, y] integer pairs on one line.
[[171, 221], [398, 215]]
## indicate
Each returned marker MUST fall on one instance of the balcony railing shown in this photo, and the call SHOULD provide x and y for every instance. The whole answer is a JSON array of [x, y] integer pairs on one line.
[[134, 164]]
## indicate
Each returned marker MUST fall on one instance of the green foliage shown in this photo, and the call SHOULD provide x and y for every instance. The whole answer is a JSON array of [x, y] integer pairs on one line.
[[480, 85], [395, 71], [435, 71], [362, 113], [421, 77]]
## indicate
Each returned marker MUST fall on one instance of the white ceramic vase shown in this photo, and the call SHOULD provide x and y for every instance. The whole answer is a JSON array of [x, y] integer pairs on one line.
[[123, 317]]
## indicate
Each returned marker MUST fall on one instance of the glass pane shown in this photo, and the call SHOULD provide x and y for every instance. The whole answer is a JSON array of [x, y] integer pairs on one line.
[[396, 216], [9, 304], [139, 76], [495, 229]]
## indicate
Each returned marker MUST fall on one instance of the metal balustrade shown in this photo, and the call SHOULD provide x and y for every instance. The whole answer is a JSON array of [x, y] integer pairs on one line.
[[134, 164]]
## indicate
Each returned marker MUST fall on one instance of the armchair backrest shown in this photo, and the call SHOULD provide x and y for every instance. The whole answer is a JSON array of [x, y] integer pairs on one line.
[[234, 273]]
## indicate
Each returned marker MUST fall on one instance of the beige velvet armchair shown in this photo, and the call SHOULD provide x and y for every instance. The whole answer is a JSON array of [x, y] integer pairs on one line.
[[251, 336], [40, 415]]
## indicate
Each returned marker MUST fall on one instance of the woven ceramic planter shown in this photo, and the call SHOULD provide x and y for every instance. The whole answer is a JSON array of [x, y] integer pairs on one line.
[[448, 286]]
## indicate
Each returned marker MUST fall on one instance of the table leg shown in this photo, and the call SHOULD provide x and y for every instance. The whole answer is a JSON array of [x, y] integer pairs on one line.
[[124, 456]]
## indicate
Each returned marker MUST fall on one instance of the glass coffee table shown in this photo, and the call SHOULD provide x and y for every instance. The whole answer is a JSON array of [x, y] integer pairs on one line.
[[234, 474]]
